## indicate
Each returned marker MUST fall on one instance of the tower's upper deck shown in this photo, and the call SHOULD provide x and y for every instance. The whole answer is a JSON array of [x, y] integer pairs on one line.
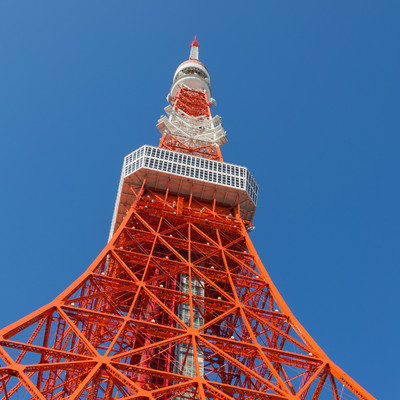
[[188, 160]]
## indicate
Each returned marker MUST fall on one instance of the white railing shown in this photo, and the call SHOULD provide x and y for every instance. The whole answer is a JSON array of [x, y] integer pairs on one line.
[[193, 167]]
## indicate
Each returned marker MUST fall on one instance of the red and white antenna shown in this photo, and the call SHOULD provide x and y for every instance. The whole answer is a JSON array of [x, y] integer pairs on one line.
[[192, 73], [189, 126], [194, 49]]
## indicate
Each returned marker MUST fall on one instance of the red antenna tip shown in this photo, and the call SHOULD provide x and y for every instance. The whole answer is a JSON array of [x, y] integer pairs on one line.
[[195, 42]]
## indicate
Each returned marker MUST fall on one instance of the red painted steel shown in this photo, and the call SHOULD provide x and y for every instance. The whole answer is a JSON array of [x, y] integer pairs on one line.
[[115, 332], [195, 42], [193, 103]]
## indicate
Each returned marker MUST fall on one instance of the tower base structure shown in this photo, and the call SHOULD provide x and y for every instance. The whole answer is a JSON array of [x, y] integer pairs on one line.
[[120, 331]]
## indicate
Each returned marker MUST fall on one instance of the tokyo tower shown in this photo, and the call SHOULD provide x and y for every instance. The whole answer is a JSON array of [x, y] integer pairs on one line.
[[178, 305]]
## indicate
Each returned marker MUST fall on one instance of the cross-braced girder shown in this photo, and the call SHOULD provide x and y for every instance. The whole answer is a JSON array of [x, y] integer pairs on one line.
[[118, 332], [178, 305]]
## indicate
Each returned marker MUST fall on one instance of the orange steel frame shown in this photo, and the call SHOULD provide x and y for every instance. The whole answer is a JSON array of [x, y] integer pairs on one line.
[[117, 330], [114, 332], [193, 103], [204, 150]]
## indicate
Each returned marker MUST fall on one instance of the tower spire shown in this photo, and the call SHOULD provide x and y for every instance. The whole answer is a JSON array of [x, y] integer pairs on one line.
[[194, 50], [189, 126]]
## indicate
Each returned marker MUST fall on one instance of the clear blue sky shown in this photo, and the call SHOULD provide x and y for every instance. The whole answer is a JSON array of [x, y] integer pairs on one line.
[[309, 96]]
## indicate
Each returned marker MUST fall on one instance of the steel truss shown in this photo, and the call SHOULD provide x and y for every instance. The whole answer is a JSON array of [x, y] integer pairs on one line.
[[114, 333], [190, 127], [178, 305]]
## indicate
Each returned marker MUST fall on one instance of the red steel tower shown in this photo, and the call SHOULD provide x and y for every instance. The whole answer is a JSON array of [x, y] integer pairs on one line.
[[178, 305]]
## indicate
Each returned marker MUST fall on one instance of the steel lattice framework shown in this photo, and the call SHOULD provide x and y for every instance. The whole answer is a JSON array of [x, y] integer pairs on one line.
[[178, 304]]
